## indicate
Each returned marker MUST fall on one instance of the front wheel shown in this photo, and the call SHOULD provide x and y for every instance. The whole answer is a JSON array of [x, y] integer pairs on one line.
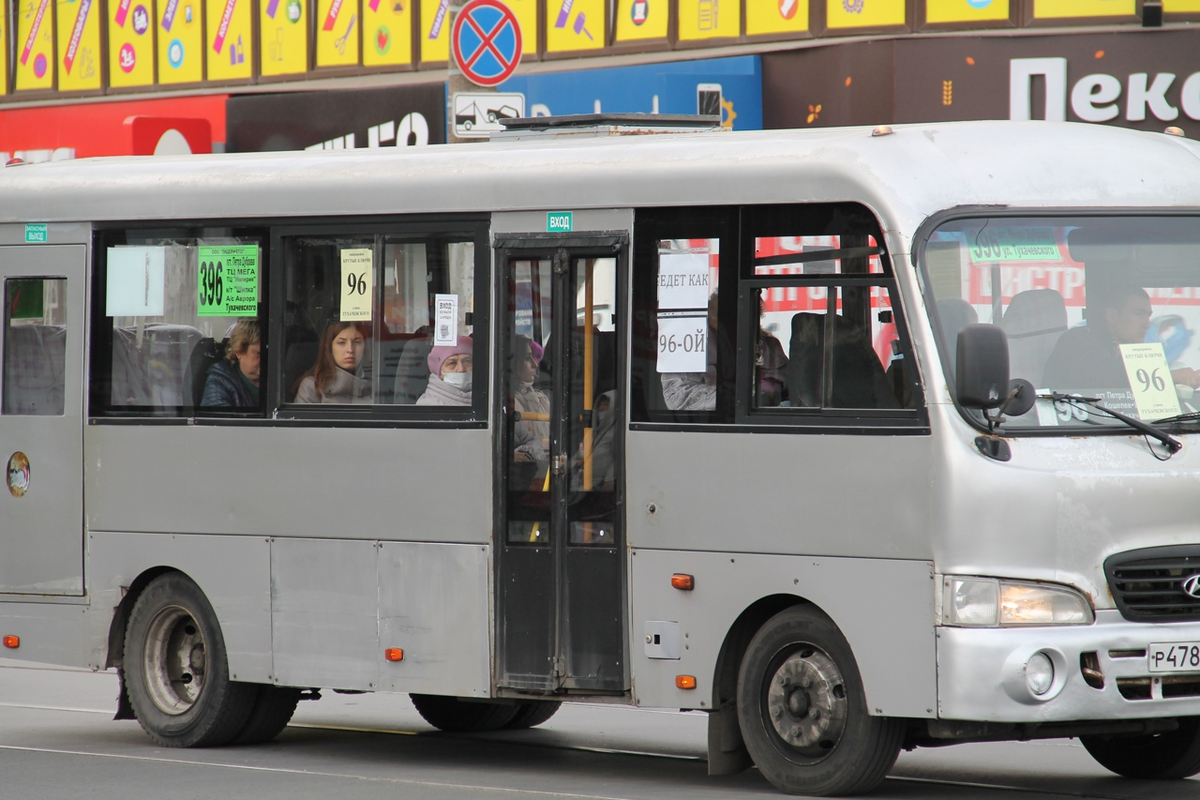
[[176, 670], [803, 713], [1167, 756]]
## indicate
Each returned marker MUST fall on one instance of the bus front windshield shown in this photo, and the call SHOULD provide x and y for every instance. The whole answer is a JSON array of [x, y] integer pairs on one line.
[[1105, 308]]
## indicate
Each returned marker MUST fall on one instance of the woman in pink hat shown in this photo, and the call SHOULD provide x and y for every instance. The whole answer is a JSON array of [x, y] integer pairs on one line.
[[449, 375]]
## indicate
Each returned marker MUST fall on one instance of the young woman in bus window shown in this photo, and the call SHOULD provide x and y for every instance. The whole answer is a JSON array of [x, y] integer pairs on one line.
[[450, 369], [337, 375]]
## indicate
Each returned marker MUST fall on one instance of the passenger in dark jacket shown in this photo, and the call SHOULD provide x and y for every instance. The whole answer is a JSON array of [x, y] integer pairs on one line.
[[233, 381]]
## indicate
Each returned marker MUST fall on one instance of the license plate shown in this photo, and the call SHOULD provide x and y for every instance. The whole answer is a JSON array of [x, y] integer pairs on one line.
[[1174, 657]]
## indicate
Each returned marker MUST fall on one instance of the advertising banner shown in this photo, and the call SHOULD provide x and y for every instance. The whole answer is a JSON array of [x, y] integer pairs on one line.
[[338, 34], [776, 17], [574, 25], [642, 20], [283, 37], [230, 52], [850, 14], [398, 116], [130, 43], [82, 130], [1145, 79], [731, 87], [35, 45], [180, 41], [967, 10], [387, 33], [709, 19], [1071, 9], [435, 31], [78, 45]]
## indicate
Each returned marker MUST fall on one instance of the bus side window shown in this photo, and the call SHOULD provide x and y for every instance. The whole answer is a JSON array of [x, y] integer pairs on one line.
[[172, 299], [35, 337]]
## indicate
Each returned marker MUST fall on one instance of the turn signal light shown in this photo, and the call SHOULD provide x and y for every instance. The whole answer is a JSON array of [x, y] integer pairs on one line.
[[12, 642], [685, 681], [393, 654], [683, 581]]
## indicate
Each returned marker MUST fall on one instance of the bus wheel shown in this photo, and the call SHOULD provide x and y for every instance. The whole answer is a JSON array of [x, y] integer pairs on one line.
[[1170, 755], [803, 712], [176, 670], [462, 716], [272, 710], [532, 714]]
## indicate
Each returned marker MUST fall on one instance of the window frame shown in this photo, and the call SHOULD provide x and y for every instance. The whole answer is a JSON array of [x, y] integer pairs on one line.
[[738, 227]]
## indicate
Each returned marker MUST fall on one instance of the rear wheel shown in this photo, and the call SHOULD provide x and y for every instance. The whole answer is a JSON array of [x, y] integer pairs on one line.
[[462, 716], [273, 709], [176, 670], [1170, 755], [533, 713], [803, 712]]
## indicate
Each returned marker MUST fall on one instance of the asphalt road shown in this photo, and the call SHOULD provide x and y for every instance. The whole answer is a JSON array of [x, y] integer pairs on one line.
[[58, 740]]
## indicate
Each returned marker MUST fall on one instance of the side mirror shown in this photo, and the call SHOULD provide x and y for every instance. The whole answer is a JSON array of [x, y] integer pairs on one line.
[[981, 374]]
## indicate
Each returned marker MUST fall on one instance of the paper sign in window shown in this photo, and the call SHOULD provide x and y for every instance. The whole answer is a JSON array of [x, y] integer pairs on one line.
[[682, 312], [136, 281], [445, 328], [227, 280], [357, 282], [1150, 379]]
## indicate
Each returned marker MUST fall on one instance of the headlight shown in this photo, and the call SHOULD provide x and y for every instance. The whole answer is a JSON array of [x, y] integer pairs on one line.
[[987, 602]]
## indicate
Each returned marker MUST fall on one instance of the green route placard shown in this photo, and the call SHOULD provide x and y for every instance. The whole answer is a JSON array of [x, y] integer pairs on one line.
[[228, 280]]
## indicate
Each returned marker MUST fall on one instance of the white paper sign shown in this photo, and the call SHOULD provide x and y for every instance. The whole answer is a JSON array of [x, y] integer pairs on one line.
[[445, 327], [358, 277], [683, 344], [682, 281], [1150, 378], [136, 285]]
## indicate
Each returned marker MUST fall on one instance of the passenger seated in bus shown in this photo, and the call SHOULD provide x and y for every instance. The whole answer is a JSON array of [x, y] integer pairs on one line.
[[449, 375], [232, 382], [530, 436], [337, 375], [696, 391], [602, 456], [1089, 356], [770, 366]]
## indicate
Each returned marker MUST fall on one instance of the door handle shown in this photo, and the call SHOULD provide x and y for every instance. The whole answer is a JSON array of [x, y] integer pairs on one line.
[[560, 465]]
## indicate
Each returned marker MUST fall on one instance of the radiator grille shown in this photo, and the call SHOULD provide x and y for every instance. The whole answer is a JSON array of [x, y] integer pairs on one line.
[[1149, 585]]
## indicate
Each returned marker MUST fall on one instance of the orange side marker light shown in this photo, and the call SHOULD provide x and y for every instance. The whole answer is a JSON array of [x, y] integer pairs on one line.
[[393, 654], [685, 681], [681, 580], [12, 642]]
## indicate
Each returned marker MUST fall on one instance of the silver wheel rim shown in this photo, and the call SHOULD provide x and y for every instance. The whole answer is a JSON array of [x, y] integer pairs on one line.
[[806, 702], [176, 666]]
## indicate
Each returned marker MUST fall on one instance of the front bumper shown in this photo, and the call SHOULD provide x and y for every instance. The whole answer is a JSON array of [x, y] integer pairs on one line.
[[1101, 672]]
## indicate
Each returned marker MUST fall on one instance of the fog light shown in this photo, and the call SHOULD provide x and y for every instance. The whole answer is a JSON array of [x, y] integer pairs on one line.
[[1039, 673]]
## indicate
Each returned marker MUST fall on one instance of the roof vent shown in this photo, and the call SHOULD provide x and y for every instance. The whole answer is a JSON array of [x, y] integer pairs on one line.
[[597, 125]]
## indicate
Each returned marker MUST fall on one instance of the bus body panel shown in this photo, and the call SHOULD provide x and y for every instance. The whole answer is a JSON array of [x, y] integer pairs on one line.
[[69, 632], [828, 494], [234, 572], [884, 608], [291, 481]]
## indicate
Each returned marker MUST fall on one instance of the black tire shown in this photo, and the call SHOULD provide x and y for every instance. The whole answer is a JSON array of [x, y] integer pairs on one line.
[[1164, 756], [273, 709], [176, 669], [803, 713], [453, 715], [532, 714]]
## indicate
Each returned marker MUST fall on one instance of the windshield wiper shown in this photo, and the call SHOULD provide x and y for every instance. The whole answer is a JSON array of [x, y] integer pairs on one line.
[[1190, 416], [1145, 428]]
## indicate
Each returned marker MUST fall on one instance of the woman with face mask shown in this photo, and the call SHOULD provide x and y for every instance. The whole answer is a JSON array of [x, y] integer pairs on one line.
[[449, 375], [337, 375]]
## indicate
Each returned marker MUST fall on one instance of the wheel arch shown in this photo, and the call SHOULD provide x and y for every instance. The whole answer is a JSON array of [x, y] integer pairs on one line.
[[120, 618], [726, 750]]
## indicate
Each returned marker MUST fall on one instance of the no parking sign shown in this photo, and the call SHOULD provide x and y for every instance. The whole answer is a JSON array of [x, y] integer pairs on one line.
[[486, 42]]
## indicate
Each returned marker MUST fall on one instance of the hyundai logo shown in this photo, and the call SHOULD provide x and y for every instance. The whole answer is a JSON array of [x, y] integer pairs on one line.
[[1191, 586]]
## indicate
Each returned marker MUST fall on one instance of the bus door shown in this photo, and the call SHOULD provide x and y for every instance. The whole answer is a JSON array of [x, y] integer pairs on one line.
[[41, 419], [560, 572]]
